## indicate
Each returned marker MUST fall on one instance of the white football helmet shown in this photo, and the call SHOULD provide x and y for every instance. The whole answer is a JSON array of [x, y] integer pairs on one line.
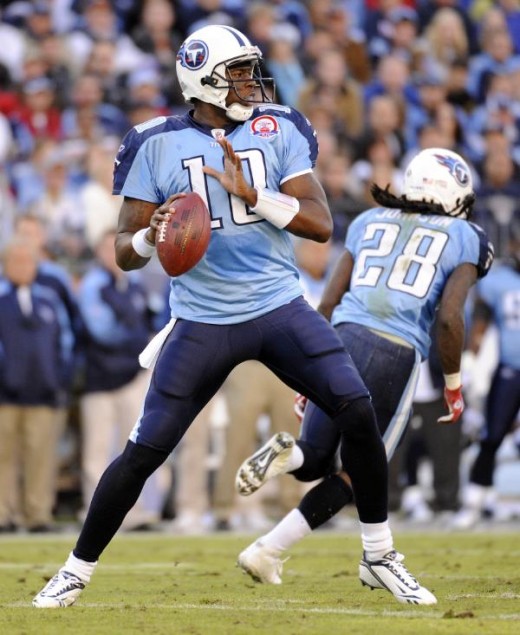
[[443, 177], [202, 62]]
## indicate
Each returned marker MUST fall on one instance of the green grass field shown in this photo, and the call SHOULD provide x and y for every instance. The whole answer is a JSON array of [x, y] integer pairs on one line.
[[164, 584]]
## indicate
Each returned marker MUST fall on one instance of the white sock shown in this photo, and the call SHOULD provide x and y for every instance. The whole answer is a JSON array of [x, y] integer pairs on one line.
[[295, 459], [377, 539], [291, 529], [81, 568]]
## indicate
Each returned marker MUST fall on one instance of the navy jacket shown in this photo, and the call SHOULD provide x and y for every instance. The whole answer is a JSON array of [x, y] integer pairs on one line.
[[35, 350]]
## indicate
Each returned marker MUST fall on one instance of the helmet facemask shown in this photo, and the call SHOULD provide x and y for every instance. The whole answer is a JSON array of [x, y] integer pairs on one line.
[[221, 80]]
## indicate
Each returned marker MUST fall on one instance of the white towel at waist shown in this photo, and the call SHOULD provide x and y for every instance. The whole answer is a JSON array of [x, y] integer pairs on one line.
[[150, 354]]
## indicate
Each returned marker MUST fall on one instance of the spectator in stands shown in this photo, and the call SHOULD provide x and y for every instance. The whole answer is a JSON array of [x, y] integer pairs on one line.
[[497, 56], [89, 117], [499, 110], [344, 200], [53, 53], [511, 10], [37, 20], [497, 209], [428, 10], [157, 34], [349, 39], [377, 165], [432, 94], [285, 68], [445, 41], [333, 89], [316, 43], [101, 207], [38, 113], [99, 24], [101, 62], [36, 343], [58, 207], [392, 76], [398, 35], [451, 123], [456, 86], [144, 86], [384, 120], [264, 25]]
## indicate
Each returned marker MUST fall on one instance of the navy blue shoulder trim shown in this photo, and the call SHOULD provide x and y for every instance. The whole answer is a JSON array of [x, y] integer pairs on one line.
[[135, 138], [487, 251]]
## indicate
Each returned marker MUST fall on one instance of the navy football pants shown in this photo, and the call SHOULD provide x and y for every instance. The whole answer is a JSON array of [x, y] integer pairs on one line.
[[301, 348]]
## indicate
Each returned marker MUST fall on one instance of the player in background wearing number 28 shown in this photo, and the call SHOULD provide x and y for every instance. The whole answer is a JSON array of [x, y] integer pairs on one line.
[[243, 300], [413, 256]]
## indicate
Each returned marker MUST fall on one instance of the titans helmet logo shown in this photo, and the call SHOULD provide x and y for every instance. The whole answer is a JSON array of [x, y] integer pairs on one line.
[[456, 169], [193, 55]]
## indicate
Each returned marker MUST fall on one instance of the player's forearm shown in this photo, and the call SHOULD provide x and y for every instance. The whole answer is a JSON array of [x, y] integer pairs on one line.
[[304, 217], [450, 342], [313, 222], [126, 256], [337, 286]]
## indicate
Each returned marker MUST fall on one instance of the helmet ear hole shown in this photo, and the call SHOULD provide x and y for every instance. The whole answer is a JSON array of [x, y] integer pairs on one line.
[[208, 81]]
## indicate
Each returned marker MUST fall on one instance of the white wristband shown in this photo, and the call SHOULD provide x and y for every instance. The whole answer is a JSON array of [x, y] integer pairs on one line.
[[279, 209], [453, 381], [141, 246]]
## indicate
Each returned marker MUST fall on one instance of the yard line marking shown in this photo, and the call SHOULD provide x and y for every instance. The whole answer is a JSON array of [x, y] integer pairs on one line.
[[417, 613]]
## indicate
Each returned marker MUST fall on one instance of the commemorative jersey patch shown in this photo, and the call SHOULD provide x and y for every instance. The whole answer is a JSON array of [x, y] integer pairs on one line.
[[265, 127]]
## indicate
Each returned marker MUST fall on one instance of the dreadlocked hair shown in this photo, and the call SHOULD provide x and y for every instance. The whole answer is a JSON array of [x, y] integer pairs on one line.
[[386, 199]]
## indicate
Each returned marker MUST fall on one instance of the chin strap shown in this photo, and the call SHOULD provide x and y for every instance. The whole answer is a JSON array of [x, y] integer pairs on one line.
[[238, 112]]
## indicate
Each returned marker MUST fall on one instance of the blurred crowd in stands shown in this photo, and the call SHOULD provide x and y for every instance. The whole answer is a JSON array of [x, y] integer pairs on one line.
[[379, 80]]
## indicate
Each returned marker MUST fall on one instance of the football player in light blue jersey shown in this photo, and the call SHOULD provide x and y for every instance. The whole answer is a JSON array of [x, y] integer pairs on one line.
[[411, 259], [254, 169], [498, 302]]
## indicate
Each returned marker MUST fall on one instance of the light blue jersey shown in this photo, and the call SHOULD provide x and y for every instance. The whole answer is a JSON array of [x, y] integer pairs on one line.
[[249, 267], [501, 292], [402, 263]]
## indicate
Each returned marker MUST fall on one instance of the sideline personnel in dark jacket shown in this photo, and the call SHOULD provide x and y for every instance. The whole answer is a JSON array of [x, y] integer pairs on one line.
[[35, 359]]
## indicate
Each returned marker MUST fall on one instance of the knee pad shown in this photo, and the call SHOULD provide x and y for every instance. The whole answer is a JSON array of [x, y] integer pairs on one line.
[[358, 418], [142, 460]]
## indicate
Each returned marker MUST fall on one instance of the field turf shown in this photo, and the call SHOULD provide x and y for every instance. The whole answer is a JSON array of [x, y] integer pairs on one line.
[[162, 584]]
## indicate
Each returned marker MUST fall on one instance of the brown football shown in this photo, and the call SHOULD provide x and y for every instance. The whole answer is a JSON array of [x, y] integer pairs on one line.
[[183, 239]]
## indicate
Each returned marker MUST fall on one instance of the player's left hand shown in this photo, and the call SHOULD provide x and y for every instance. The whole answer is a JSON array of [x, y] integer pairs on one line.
[[455, 403], [232, 179]]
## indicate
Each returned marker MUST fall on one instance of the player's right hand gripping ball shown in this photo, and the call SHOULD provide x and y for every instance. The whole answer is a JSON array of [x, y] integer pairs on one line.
[[183, 239]]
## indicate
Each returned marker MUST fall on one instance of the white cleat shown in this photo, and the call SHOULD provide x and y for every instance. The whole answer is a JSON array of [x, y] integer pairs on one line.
[[261, 563], [269, 461], [60, 591], [390, 574]]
